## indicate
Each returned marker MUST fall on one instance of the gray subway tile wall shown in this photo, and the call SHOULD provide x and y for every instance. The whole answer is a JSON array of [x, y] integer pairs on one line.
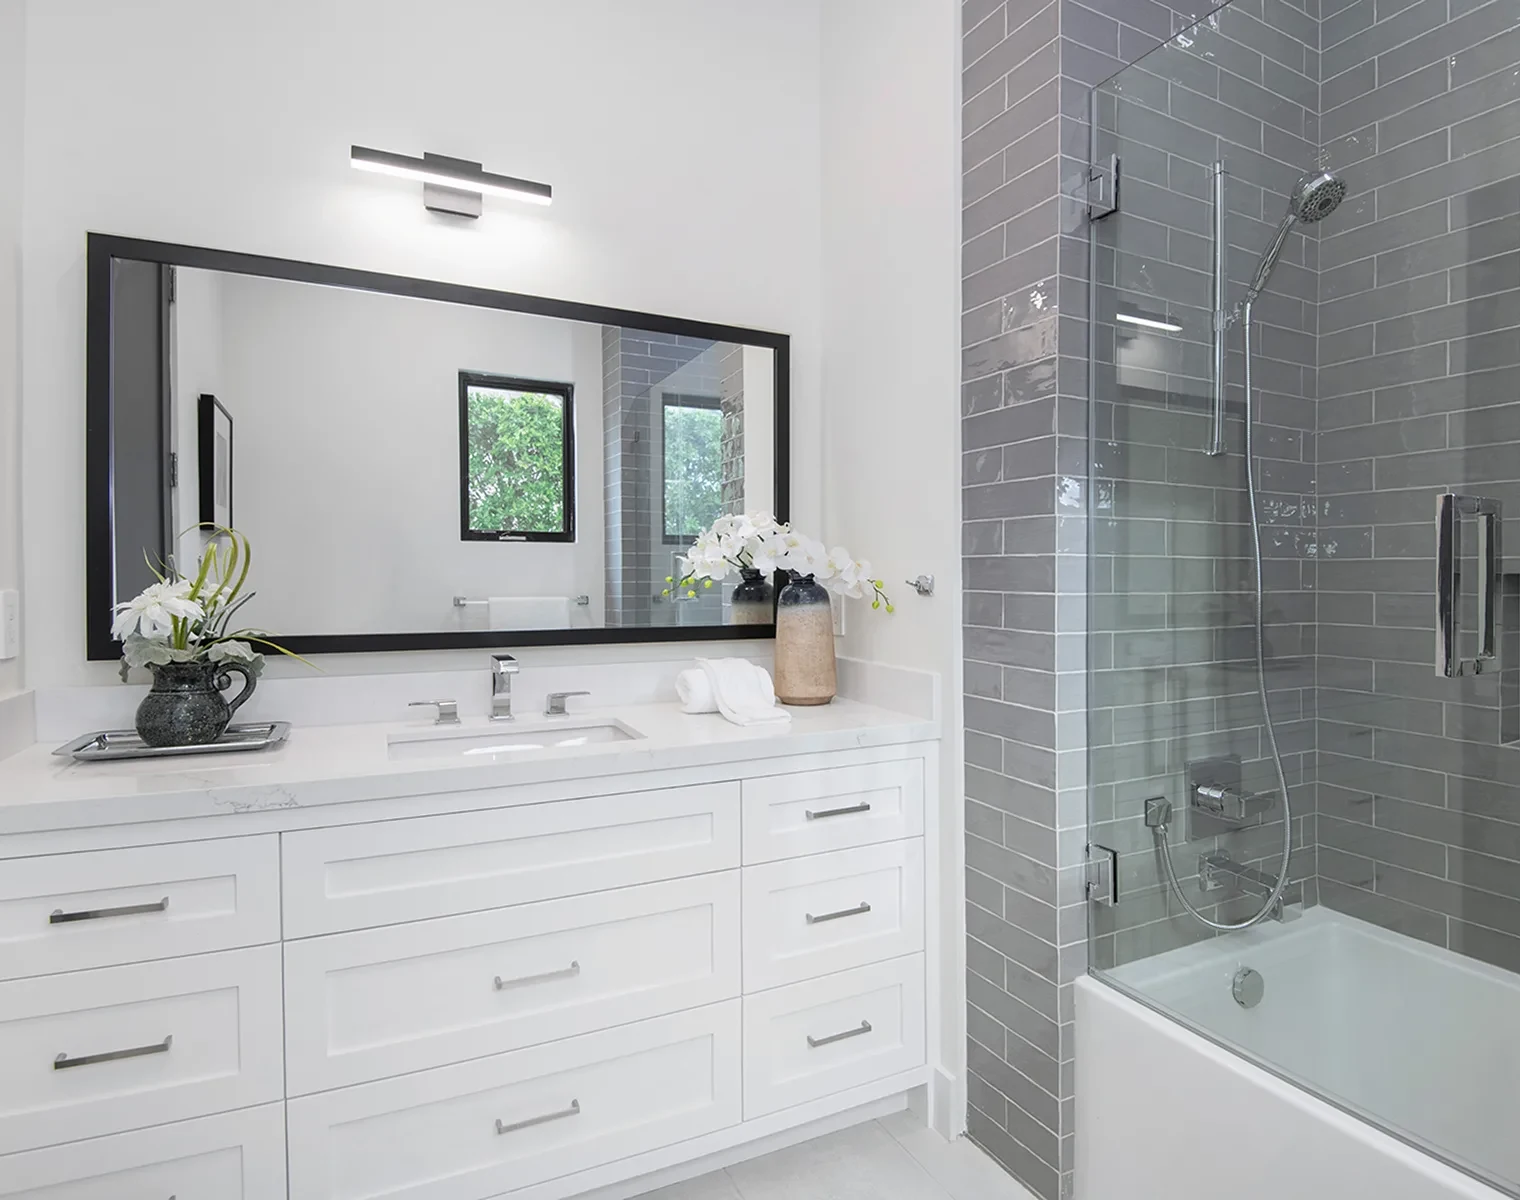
[[1015, 422], [636, 366], [1388, 362], [1419, 822], [1025, 436]]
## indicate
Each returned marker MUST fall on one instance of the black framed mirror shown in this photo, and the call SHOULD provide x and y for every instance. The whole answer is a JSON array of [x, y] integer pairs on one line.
[[419, 465]]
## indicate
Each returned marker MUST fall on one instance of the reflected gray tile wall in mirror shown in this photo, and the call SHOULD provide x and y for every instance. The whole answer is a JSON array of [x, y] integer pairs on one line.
[[415, 471]]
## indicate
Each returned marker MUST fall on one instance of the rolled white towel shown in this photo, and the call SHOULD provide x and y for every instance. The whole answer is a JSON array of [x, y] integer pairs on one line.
[[695, 691], [744, 692]]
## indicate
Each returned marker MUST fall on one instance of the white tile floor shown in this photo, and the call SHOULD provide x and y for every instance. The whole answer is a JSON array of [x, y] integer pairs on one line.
[[895, 1158]]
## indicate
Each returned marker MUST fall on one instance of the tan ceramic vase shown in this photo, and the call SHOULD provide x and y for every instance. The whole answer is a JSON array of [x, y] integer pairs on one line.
[[804, 643]]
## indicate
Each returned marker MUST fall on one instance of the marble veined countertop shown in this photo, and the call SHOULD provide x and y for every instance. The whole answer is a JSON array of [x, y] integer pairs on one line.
[[336, 764]]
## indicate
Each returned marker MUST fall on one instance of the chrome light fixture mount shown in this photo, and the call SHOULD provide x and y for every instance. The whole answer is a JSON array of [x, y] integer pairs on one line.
[[450, 185]]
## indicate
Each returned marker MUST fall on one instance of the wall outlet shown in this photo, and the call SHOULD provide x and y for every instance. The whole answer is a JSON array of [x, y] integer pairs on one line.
[[837, 603], [10, 624]]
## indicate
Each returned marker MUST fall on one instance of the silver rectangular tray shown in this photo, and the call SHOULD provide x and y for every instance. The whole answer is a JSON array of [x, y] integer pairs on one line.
[[112, 744]]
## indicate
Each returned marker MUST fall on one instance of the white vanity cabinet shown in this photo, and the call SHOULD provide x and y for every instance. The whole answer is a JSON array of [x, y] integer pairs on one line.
[[475, 994]]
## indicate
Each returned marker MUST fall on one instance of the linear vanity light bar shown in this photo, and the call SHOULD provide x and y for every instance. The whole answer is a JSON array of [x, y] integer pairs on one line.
[[1164, 324], [455, 173]]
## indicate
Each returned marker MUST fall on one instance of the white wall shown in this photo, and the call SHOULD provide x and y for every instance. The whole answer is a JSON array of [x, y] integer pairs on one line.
[[891, 295], [12, 98], [243, 145], [345, 409]]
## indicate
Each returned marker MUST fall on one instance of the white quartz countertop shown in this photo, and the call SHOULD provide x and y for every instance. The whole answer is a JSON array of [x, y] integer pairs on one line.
[[336, 764]]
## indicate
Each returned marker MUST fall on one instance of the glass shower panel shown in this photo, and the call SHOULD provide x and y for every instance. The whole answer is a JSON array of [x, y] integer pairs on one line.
[[1173, 689], [1340, 181]]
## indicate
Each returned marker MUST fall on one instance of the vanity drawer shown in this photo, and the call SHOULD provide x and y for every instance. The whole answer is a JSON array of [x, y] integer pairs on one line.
[[231, 1156], [97, 1052], [381, 1002], [812, 916], [68, 912], [490, 1126], [820, 1037], [360, 876], [809, 813]]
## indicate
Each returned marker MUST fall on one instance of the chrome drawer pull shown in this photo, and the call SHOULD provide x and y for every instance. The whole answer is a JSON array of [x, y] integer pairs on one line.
[[865, 1027], [63, 1062], [859, 910], [59, 917], [863, 806], [572, 1111], [569, 972]]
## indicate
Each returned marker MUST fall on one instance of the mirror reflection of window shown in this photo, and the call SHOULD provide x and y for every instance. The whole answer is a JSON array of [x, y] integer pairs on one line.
[[517, 459], [693, 467]]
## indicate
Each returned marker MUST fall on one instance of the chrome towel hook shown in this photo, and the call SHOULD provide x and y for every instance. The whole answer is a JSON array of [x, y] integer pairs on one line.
[[923, 585]]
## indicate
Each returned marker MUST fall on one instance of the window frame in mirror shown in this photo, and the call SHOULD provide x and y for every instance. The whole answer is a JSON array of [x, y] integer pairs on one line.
[[486, 380], [100, 597]]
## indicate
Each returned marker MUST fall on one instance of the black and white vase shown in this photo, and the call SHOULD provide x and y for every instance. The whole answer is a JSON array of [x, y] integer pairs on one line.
[[754, 599], [805, 671], [185, 706]]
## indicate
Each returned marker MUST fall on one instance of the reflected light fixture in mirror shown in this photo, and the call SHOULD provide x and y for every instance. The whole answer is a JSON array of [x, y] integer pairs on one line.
[[1161, 322], [452, 185]]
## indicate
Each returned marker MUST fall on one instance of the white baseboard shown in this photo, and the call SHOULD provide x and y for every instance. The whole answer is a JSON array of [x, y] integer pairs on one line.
[[718, 1160], [18, 723], [946, 1103], [738, 1143]]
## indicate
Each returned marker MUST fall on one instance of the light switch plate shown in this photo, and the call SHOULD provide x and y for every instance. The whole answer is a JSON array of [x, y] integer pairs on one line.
[[10, 624]]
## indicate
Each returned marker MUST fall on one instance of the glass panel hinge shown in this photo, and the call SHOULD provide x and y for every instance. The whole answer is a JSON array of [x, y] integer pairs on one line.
[[1103, 189], [1102, 874]]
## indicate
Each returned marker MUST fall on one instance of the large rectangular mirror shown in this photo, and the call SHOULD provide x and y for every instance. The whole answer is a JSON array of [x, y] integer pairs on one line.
[[418, 465]]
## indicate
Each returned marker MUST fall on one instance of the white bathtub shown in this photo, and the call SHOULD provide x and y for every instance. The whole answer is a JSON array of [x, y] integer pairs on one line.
[[1425, 1039]]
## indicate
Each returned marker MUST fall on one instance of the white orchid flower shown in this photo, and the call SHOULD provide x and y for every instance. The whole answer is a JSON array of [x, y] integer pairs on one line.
[[769, 555], [851, 578], [839, 562], [153, 611], [809, 557]]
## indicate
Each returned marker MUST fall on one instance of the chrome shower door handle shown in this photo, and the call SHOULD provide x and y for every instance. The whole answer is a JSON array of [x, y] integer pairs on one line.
[[1451, 508]]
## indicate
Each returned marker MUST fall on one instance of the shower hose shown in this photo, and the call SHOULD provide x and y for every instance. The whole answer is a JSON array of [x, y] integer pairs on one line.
[[1161, 830]]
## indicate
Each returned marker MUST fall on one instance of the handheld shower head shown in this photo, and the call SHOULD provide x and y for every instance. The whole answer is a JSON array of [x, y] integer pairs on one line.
[[1314, 197]]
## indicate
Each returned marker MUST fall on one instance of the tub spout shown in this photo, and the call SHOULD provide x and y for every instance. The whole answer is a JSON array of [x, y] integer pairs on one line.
[[1216, 871]]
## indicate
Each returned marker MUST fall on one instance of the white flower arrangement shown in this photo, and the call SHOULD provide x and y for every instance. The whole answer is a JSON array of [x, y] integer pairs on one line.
[[759, 542], [181, 620]]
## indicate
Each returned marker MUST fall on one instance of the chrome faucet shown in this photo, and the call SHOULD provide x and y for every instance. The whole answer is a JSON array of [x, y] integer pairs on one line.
[[448, 710], [1217, 871], [1231, 803], [503, 667], [554, 704]]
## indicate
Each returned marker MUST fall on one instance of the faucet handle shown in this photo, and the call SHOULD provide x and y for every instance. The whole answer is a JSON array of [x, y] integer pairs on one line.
[[554, 703], [504, 664], [448, 710]]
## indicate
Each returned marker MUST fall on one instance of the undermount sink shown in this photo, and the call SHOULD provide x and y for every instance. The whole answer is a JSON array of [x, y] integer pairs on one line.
[[486, 745]]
